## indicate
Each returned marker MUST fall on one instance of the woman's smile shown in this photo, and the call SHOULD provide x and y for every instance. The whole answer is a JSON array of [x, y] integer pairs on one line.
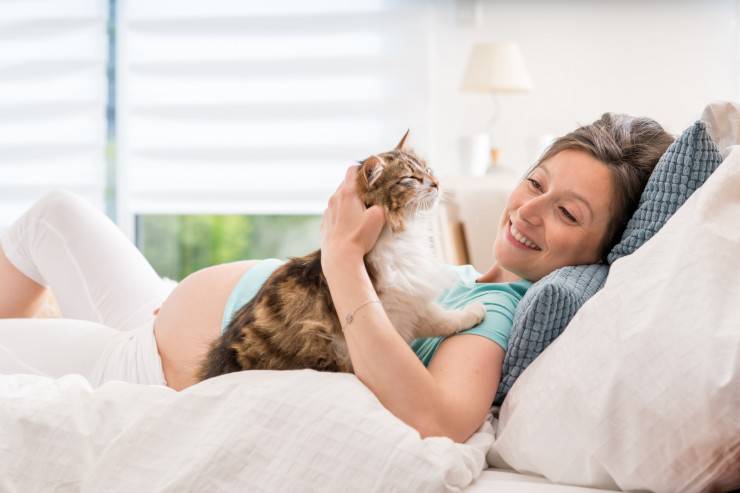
[[519, 240]]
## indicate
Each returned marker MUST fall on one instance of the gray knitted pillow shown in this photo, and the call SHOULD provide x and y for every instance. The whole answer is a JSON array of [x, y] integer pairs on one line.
[[550, 303], [542, 314], [684, 167]]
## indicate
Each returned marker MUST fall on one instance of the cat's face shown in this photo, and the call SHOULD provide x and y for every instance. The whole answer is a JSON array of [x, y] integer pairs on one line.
[[400, 182]]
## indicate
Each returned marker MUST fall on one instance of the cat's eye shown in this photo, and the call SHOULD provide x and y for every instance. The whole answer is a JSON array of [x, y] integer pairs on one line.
[[409, 180]]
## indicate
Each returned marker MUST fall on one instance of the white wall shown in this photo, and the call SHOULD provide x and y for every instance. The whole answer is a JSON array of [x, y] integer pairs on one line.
[[662, 59]]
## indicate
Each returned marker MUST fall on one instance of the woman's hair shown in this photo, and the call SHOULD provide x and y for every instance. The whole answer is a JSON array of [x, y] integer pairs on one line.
[[630, 146]]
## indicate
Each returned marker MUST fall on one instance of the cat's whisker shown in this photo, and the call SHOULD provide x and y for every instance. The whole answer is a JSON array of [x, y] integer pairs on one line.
[[446, 197], [423, 204]]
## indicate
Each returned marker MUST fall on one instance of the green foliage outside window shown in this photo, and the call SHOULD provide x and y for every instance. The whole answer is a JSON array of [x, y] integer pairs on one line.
[[177, 245]]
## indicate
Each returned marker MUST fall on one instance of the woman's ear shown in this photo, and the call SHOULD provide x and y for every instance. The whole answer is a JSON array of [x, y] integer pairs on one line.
[[372, 168]]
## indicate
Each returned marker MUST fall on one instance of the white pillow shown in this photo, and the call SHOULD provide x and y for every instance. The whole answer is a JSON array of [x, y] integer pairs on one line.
[[722, 119], [245, 431], [642, 390]]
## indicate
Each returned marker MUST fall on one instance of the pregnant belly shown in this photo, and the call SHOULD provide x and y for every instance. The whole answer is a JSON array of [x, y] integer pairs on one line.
[[190, 319]]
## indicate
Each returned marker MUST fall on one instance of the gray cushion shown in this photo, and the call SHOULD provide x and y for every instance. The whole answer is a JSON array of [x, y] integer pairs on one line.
[[684, 167], [542, 314], [550, 304]]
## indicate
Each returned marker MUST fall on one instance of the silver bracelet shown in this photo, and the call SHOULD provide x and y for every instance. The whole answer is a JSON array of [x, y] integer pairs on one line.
[[351, 316]]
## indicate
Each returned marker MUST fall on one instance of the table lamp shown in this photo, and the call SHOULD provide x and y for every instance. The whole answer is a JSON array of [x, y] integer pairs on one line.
[[495, 68]]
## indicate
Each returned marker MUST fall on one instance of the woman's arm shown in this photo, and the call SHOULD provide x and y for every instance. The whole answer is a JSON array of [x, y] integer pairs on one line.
[[450, 398]]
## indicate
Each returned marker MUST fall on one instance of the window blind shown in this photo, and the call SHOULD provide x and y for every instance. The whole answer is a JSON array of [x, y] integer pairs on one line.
[[52, 101], [233, 106]]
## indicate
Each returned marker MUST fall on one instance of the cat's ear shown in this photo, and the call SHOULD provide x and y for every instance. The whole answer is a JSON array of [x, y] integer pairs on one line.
[[372, 168], [399, 147]]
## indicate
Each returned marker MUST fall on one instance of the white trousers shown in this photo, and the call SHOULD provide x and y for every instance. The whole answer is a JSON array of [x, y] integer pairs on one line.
[[101, 281]]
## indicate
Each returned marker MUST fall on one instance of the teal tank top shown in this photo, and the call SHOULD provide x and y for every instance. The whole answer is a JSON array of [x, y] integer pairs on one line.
[[248, 286], [500, 300]]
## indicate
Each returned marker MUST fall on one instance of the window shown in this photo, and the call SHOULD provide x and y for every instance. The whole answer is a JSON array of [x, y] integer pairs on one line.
[[223, 117], [177, 245], [52, 101]]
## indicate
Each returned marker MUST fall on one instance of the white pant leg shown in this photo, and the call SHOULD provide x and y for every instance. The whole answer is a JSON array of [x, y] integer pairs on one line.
[[94, 271], [57, 347], [52, 347]]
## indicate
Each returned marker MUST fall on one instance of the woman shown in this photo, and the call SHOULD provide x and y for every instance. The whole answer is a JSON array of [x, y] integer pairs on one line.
[[570, 209]]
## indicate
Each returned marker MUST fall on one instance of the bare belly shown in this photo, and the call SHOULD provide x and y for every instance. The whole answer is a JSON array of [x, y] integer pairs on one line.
[[190, 319]]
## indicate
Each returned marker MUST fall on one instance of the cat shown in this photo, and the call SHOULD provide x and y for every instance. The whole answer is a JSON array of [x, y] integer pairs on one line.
[[291, 322]]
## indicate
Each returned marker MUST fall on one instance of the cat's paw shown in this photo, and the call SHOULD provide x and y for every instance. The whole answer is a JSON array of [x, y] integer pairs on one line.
[[473, 314]]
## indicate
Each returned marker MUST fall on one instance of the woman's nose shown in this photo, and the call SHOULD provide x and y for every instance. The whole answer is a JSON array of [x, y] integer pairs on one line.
[[531, 211]]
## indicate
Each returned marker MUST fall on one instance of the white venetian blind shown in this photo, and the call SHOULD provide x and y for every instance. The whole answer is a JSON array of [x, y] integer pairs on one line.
[[233, 106], [53, 94]]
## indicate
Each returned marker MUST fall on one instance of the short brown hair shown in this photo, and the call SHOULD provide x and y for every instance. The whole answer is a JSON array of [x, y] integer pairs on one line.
[[631, 147]]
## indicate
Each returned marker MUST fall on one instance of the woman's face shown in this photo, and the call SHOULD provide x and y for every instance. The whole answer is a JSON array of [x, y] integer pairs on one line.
[[559, 213]]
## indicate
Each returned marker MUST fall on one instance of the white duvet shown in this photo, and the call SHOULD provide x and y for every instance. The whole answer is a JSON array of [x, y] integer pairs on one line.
[[247, 431]]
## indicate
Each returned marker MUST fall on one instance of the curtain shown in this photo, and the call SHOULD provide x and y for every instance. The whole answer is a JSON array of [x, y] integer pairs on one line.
[[53, 94], [248, 107]]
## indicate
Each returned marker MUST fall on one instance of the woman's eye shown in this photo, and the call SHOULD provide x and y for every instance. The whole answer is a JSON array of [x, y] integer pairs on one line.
[[565, 212], [535, 183], [568, 214]]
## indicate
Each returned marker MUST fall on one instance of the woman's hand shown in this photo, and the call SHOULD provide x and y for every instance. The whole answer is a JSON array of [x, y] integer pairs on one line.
[[348, 229]]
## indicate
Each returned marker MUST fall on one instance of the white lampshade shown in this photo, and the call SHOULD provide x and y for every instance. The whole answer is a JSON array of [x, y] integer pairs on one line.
[[496, 67]]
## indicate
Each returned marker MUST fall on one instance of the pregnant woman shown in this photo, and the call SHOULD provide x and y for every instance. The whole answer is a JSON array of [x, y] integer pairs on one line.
[[569, 209]]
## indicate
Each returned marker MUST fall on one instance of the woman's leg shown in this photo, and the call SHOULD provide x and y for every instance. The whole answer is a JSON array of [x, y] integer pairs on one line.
[[25, 296], [94, 271], [52, 347]]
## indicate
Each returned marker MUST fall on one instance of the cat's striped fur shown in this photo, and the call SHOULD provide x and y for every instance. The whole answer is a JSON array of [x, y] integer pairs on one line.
[[291, 323]]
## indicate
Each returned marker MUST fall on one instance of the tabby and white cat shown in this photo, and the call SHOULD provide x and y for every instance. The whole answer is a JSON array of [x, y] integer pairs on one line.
[[291, 323]]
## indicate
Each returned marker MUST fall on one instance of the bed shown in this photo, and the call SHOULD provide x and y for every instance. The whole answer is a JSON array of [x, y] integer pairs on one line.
[[641, 392], [249, 431]]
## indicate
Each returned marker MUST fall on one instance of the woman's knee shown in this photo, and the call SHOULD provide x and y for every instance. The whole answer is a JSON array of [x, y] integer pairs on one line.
[[62, 206], [30, 231], [58, 199]]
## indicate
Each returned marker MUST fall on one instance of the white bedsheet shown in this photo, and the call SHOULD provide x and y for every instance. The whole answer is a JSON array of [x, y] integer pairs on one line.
[[247, 431], [504, 481]]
